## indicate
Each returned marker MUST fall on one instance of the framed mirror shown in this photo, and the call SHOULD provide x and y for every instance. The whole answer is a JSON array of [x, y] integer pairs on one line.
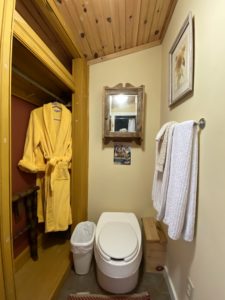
[[123, 109]]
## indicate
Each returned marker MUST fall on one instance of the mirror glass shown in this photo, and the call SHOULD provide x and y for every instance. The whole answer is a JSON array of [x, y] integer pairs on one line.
[[123, 112]]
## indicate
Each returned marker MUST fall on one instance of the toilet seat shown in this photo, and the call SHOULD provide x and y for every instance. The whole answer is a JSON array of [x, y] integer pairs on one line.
[[118, 241]]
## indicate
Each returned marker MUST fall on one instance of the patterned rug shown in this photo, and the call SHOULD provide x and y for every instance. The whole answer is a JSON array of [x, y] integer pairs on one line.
[[84, 296]]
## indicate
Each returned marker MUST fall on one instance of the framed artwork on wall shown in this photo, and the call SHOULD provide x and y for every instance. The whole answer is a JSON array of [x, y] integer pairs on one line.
[[181, 59], [122, 154]]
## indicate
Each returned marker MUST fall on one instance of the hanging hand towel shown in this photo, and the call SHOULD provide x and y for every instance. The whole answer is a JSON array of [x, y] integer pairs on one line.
[[161, 178], [182, 187], [161, 146]]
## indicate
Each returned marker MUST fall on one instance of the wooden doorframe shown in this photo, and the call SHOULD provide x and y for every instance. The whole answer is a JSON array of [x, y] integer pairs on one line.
[[7, 281], [80, 135], [80, 148]]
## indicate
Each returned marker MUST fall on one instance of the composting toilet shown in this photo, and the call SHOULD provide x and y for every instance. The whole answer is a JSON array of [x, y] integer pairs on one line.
[[118, 251]]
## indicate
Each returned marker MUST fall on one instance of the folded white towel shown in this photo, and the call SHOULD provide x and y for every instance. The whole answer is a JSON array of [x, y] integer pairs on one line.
[[161, 179], [182, 187]]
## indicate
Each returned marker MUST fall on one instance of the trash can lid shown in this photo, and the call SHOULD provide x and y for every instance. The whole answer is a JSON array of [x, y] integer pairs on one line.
[[118, 240]]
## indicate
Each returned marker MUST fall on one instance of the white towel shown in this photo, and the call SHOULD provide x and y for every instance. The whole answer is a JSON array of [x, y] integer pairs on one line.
[[160, 180], [161, 146], [182, 187]]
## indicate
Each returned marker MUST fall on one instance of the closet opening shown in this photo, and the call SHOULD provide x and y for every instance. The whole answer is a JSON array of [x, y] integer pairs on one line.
[[41, 260], [44, 65]]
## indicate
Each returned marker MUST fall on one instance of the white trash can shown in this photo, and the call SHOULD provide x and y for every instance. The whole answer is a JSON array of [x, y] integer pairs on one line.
[[82, 241]]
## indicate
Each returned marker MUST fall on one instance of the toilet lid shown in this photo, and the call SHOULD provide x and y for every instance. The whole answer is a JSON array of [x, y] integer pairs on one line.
[[118, 240]]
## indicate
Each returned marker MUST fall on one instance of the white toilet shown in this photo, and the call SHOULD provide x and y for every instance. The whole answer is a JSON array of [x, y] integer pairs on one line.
[[118, 251]]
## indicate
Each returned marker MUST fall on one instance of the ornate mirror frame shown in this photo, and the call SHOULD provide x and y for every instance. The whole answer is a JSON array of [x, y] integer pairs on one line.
[[123, 121]]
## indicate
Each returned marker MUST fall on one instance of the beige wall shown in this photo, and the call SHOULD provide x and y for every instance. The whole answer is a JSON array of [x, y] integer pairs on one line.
[[128, 188], [115, 187], [203, 260]]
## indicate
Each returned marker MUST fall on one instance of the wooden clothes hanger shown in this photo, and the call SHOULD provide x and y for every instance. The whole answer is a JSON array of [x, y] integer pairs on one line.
[[57, 108], [57, 105]]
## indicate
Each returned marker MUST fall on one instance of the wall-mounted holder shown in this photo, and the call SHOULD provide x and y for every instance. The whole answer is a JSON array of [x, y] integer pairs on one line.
[[202, 123], [123, 113]]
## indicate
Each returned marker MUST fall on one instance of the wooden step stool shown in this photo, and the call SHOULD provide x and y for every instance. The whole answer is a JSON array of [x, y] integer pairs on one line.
[[155, 243]]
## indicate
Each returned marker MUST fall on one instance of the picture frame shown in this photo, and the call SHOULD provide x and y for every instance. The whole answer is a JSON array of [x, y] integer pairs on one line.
[[181, 63], [122, 154]]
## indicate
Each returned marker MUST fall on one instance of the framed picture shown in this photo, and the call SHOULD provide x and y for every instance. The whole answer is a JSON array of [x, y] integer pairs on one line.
[[122, 154], [181, 63]]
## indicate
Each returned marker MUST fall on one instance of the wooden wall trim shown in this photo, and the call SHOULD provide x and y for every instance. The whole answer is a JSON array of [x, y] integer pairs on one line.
[[50, 10], [80, 136], [6, 34], [123, 52], [26, 35]]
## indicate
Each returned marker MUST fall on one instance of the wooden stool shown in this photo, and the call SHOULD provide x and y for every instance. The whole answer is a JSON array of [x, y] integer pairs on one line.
[[155, 243]]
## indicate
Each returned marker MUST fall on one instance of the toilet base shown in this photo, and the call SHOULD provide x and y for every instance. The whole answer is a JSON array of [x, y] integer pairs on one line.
[[117, 285]]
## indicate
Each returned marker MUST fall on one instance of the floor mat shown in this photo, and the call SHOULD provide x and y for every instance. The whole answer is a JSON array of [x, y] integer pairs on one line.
[[83, 296]]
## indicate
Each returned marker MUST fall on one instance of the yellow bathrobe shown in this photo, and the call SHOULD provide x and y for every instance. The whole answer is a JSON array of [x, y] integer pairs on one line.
[[48, 151]]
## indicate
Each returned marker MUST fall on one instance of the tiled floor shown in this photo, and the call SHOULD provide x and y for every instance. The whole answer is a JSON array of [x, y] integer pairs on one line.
[[153, 283]]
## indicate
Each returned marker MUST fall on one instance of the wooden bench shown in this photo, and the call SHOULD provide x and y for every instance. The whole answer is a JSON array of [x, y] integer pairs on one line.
[[155, 243]]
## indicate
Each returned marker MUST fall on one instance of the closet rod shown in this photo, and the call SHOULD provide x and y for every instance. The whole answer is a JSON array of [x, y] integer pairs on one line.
[[36, 84]]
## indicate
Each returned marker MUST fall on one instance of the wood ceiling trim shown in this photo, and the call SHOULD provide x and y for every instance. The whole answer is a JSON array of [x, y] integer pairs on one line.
[[124, 52], [51, 11]]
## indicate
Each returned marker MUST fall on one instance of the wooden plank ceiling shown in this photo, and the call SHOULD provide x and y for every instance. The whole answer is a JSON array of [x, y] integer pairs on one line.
[[106, 27]]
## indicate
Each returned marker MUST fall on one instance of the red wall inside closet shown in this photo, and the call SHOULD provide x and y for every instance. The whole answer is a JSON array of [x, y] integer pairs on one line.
[[21, 181]]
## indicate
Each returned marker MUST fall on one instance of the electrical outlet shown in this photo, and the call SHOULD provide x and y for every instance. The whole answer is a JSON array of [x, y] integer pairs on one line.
[[189, 289]]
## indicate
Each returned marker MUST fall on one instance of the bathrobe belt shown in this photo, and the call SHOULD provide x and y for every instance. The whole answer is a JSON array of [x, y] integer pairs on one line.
[[56, 168]]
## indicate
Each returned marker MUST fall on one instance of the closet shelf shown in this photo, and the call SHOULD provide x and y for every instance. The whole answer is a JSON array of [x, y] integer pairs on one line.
[[35, 60], [47, 95], [33, 81]]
